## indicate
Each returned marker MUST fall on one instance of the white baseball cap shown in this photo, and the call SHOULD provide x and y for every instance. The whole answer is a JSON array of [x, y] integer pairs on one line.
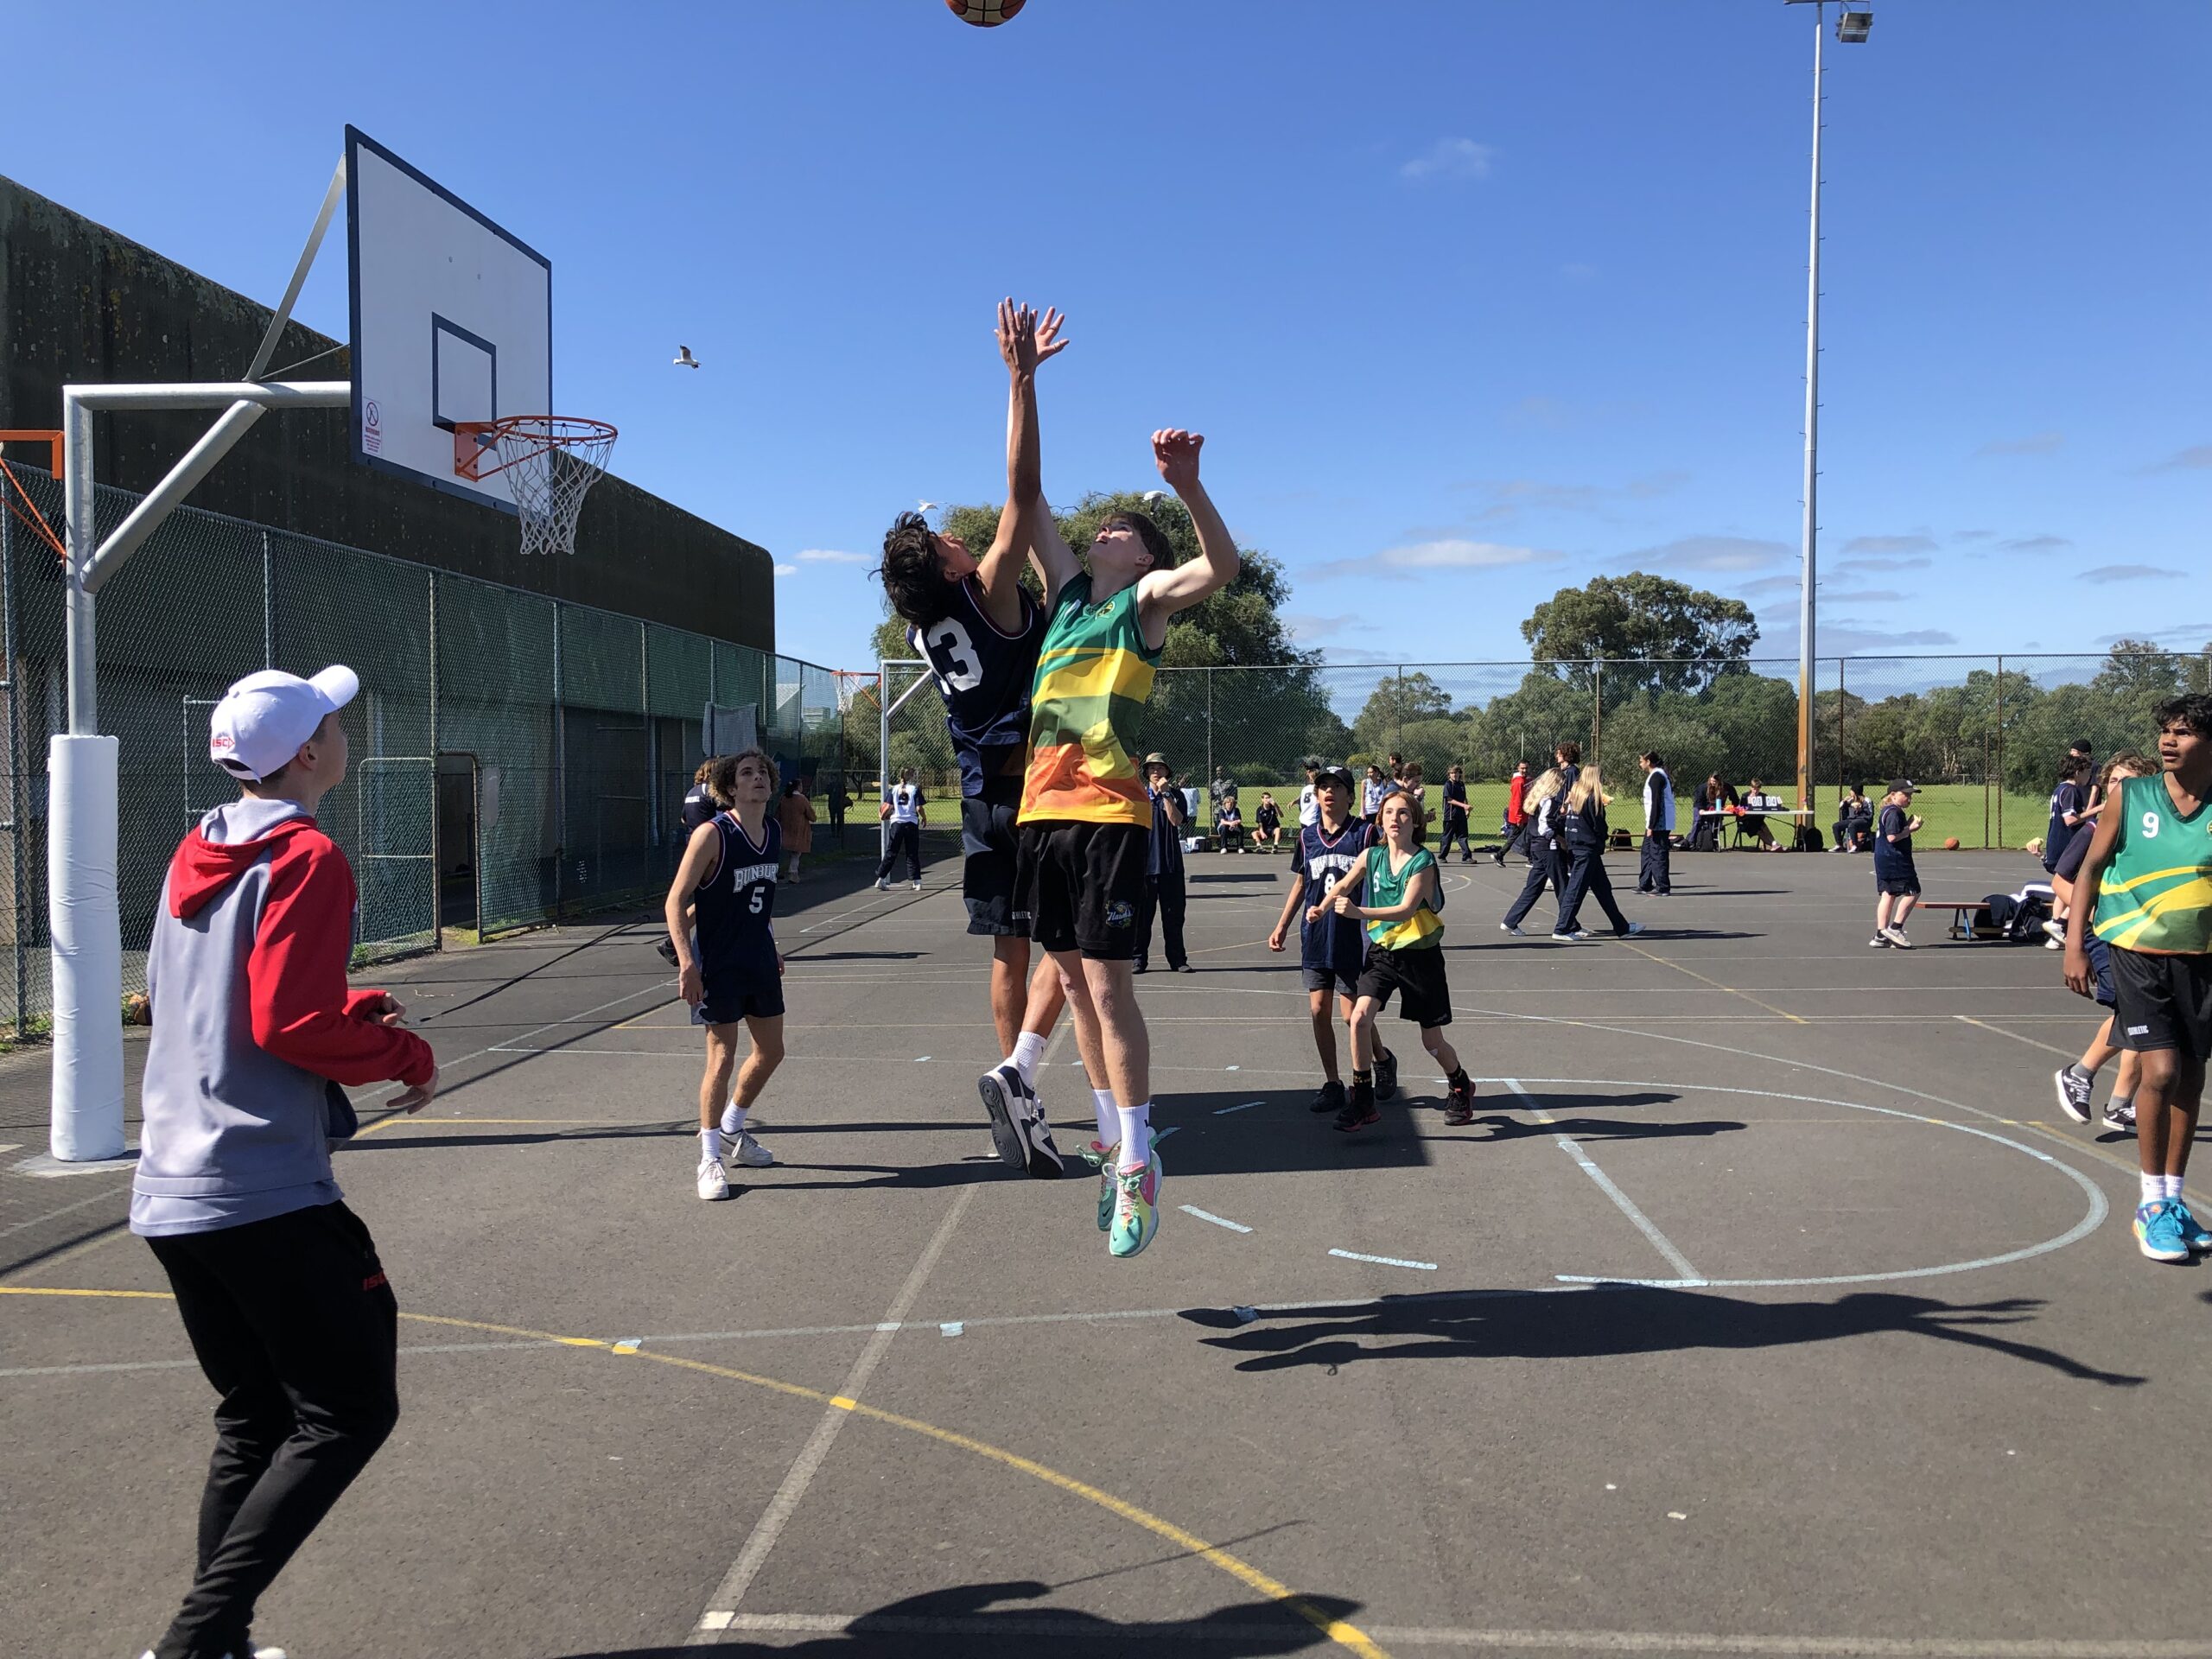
[[262, 720]]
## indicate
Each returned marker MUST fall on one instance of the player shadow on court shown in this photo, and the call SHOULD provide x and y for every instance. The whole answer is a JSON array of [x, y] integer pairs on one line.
[[1618, 1320], [953, 1622]]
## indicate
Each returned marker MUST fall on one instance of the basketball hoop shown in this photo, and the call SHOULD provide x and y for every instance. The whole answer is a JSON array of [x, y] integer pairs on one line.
[[13, 492], [550, 463], [855, 684]]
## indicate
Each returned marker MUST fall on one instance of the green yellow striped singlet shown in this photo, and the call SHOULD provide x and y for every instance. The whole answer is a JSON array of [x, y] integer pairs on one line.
[[2156, 895], [1094, 675]]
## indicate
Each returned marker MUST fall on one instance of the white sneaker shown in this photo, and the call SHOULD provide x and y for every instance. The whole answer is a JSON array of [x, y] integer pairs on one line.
[[1634, 928], [1896, 937], [748, 1154], [1508, 927], [883, 884], [713, 1183], [917, 886]]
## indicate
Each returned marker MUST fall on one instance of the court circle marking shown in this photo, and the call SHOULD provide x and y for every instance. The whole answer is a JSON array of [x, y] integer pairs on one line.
[[2092, 1218]]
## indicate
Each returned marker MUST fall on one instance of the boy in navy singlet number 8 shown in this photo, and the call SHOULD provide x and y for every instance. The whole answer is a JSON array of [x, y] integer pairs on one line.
[[733, 973]]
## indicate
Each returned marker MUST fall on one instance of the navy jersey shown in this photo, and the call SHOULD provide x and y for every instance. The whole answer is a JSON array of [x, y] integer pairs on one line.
[[737, 902], [985, 675], [697, 807], [1333, 941]]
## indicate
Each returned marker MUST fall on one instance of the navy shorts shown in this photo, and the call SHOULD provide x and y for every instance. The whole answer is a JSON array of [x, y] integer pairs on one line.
[[1320, 976], [989, 868], [1898, 879], [741, 993]]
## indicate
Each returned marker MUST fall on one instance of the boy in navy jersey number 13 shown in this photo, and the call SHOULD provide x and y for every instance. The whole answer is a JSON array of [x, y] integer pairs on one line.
[[732, 971], [1331, 948]]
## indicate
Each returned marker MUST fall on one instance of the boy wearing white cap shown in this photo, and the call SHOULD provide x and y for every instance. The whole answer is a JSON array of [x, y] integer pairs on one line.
[[255, 1029]]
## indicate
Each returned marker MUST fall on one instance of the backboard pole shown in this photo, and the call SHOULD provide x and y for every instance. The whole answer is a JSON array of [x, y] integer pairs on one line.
[[283, 315]]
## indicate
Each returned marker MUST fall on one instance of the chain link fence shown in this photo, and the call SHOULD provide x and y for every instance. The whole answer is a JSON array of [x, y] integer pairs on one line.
[[1983, 736], [515, 759]]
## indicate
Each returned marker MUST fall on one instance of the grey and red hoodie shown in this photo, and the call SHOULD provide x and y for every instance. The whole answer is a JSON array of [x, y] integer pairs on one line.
[[252, 1022]]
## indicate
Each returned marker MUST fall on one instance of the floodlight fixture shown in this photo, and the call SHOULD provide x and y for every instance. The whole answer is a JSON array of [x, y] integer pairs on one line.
[[1852, 25]]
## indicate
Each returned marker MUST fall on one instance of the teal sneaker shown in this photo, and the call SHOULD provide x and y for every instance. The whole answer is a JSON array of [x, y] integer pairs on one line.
[[1136, 1208], [2193, 1232], [2157, 1232], [1105, 1156]]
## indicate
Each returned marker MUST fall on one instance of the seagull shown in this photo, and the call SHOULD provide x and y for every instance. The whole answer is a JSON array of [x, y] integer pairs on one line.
[[929, 506], [1155, 495], [683, 359]]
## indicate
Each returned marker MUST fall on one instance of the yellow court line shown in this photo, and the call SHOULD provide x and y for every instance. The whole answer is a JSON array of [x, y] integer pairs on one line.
[[1665, 961], [1337, 1631]]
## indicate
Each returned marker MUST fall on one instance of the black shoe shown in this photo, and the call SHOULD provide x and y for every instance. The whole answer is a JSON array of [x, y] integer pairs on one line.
[[1386, 1074], [1329, 1097], [1139, 968], [1002, 1092], [1459, 1104], [1359, 1111], [667, 948]]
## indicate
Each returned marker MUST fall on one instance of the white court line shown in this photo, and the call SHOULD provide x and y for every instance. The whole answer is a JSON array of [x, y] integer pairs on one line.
[[1226, 1111], [1384, 1261], [1208, 1215], [770, 1527], [1659, 1241], [1258, 1637], [2069, 1053]]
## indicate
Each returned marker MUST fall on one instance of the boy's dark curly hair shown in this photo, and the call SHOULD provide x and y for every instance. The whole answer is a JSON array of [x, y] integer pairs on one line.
[[913, 575], [2193, 709]]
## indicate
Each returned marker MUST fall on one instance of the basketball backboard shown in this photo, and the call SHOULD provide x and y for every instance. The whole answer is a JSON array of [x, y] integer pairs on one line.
[[452, 322]]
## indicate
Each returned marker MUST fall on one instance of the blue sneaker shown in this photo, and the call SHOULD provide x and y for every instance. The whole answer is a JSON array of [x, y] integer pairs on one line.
[[2157, 1231], [2193, 1232], [1136, 1208]]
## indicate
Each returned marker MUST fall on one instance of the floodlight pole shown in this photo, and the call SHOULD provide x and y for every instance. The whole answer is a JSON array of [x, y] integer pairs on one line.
[[1808, 576]]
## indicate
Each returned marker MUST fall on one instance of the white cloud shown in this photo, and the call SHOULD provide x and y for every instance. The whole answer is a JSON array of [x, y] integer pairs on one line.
[[1870, 567], [2195, 459], [1451, 158], [2131, 573], [1711, 553], [1971, 535], [831, 556], [1309, 628], [2029, 544], [1862, 596], [1886, 544], [787, 569], [1418, 558], [2036, 443], [1771, 585]]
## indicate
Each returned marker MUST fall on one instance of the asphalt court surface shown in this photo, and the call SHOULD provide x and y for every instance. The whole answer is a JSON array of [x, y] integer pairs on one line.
[[1767, 1307]]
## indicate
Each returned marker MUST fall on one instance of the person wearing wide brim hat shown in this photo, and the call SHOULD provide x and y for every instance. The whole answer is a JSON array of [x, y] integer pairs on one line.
[[1164, 891]]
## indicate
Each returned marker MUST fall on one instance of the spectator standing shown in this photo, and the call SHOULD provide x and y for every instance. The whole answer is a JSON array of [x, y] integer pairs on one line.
[[795, 818], [2070, 809], [1517, 810], [1653, 874], [1455, 819], [1164, 889]]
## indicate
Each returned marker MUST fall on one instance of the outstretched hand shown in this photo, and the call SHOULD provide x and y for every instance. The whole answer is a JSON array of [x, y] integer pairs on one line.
[[1176, 453], [1026, 339]]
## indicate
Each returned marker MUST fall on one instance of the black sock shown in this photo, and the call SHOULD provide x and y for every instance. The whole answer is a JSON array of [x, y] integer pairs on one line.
[[1361, 1080], [1458, 1077]]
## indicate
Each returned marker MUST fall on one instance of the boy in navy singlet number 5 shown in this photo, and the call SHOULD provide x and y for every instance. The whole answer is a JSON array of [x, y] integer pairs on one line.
[[734, 975]]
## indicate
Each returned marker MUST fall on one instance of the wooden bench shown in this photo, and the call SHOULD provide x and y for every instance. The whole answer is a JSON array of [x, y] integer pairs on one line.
[[1963, 911]]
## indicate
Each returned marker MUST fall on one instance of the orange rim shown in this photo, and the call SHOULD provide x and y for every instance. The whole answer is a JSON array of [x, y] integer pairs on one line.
[[475, 439]]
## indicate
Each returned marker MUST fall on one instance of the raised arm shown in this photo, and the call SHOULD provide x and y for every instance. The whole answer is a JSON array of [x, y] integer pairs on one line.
[[1025, 341], [1161, 594]]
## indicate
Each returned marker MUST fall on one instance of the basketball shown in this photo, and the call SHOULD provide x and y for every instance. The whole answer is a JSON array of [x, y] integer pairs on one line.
[[1950, 843], [984, 13]]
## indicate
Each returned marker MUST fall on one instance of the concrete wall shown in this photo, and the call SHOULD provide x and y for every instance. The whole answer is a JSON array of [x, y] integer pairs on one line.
[[78, 303]]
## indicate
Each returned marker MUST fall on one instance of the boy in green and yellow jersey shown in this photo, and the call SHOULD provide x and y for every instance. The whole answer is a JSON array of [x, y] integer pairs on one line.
[[2146, 889], [1405, 956], [1085, 813]]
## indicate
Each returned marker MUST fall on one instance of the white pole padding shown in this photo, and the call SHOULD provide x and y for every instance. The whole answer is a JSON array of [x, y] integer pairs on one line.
[[87, 925]]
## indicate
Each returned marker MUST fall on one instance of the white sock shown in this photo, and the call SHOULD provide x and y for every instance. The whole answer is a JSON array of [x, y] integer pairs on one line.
[[1110, 1117], [1028, 1049], [1136, 1124], [2154, 1189], [2173, 1186], [734, 1116], [710, 1144]]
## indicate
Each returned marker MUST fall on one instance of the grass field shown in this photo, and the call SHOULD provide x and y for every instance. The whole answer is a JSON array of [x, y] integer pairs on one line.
[[1967, 810]]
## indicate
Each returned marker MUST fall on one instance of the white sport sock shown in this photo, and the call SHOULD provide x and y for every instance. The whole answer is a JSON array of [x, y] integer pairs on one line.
[[2173, 1186], [1135, 1126], [1028, 1049], [734, 1116], [2154, 1189], [1109, 1116], [710, 1143]]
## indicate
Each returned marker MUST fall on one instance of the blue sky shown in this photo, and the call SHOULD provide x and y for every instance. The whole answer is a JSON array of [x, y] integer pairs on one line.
[[1473, 300]]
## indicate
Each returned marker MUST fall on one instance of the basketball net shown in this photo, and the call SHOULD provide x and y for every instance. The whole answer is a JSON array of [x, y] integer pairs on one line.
[[852, 684], [550, 463]]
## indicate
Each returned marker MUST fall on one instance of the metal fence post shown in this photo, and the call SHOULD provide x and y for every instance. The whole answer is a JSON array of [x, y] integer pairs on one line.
[[1597, 707], [437, 897], [560, 776], [2000, 752], [12, 671], [1209, 730], [268, 603]]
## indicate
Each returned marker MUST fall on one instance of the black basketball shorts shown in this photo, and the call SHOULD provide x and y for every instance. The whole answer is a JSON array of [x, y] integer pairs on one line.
[[1082, 886]]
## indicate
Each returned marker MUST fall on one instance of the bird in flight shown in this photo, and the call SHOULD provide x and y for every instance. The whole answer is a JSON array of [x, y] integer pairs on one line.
[[929, 506], [683, 359]]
